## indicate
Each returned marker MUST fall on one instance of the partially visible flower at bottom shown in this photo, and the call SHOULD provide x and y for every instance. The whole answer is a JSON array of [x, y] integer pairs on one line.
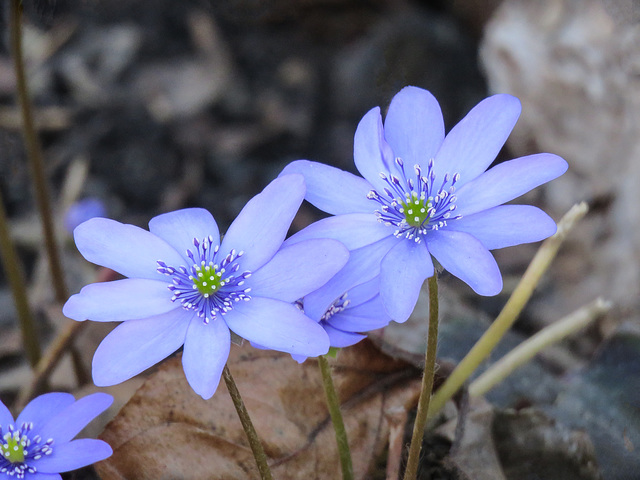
[[39, 443]]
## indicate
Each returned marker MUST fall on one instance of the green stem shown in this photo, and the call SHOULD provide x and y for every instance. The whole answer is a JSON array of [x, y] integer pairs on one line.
[[411, 472], [15, 276], [34, 155], [247, 424], [336, 418], [510, 312]]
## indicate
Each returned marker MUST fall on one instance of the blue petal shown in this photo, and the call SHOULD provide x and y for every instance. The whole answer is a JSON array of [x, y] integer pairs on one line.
[[332, 190], [371, 153], [179, 228], [465, 257], [44, 476], [261, 226], [363, 265], [298, 269], [127, 299], [279, 326], [42, 408], [507, 181], [474, 143], [506, 225], [206, 350], [402, 273], [364, 292], [414, 127], [136, 345], [340, 339], [68, 422], [362, 318], [73, 455], [353, 230], [127, 249]]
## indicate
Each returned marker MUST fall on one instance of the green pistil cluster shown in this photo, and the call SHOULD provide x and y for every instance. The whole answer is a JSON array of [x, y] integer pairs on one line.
[[12, 449], [208, 281], [415, 210]]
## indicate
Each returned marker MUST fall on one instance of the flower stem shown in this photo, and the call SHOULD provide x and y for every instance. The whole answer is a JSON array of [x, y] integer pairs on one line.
[[520, 296], [530, 347], [247, 424], [336, 418], [411, 472], [36, 165], [15, 275], [34, 155]]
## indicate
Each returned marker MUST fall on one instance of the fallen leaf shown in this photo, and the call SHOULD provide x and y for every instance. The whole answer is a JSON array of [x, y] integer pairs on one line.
[[166, 431]]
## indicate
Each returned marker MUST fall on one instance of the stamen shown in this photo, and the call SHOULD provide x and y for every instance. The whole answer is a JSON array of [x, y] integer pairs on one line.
[[208, 287], [414, 205]]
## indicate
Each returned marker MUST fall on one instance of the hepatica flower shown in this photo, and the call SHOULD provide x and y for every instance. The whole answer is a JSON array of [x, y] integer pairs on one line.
[[357, 310], [39, 443], [187, 287], [425, 194]]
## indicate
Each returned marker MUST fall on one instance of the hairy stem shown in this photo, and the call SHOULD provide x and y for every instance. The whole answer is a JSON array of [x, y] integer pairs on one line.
[[336, 418], [411, 471], [510, 312], [247, 424], [15, 275]]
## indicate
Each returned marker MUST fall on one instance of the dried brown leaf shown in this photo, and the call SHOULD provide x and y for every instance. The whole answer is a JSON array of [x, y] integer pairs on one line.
[[166, 431]]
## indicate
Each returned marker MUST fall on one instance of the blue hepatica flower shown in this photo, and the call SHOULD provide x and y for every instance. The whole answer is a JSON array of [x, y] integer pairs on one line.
[[39, 444], [357, 310], [185, 286], [425, 194]]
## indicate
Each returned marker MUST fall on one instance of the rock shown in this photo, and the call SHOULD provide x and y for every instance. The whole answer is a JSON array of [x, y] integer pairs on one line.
[[575, 64]]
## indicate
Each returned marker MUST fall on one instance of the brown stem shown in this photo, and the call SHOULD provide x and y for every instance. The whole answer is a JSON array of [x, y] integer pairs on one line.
[[15, 276], [247, 424], [411, 471]]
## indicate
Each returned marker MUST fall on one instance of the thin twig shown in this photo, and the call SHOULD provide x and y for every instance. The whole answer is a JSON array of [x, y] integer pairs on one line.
[[532, 346], [40, 186], [34, 155], [397, 419], [48, 362], [520, 296], [333, 404], [411, 471], [15, 275], [247, 424]]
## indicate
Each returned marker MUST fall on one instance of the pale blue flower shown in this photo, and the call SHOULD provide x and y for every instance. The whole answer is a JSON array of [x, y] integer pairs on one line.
[[425, 194], [81, 211], [186, 287], [39, 443], [356, 311]]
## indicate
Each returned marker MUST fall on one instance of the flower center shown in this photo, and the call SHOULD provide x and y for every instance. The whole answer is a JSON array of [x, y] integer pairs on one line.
[[415, 205], [18, 450], [207, 280], [336, 307], [13, 448], [416, 211], [209, 285]]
